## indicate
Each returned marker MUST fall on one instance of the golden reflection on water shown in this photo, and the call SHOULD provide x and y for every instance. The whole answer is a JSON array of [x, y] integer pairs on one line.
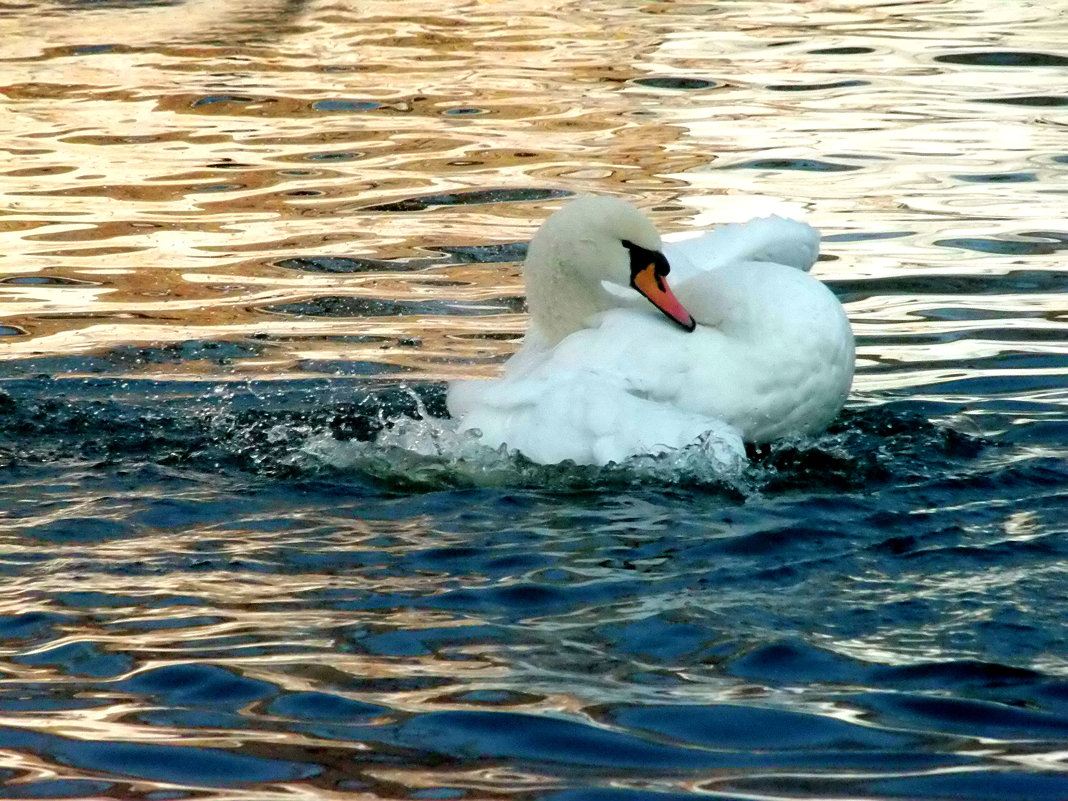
[[166, 161]]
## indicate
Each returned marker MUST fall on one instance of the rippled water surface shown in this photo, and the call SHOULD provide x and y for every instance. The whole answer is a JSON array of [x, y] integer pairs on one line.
[[237, 237]]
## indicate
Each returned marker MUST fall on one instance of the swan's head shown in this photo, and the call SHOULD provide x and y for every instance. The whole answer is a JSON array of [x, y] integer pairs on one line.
[[591, 241]]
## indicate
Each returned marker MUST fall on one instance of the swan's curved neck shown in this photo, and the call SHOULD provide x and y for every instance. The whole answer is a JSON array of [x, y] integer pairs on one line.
[[560, 296]]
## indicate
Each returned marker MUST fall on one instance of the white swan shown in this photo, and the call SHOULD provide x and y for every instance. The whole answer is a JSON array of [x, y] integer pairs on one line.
[[748, 347]]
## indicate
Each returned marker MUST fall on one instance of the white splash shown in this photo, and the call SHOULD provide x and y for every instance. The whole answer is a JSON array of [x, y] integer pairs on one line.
[[430, 452]]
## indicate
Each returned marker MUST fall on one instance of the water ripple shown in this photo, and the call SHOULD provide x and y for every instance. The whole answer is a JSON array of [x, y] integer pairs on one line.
[[241, 560]]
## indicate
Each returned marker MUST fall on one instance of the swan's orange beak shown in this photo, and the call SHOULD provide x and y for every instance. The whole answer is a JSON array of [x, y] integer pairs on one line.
[[651, 284]]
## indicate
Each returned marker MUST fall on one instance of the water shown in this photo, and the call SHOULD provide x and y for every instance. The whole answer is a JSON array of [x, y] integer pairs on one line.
[[241, 239]]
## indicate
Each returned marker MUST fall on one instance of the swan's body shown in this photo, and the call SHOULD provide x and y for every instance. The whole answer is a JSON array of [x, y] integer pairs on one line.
[[603, 374]]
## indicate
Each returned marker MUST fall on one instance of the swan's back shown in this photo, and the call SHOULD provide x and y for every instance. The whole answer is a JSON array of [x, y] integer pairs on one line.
[[768, 239]]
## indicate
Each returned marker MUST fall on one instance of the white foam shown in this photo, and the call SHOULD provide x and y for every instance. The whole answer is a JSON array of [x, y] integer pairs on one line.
[[430, 452]]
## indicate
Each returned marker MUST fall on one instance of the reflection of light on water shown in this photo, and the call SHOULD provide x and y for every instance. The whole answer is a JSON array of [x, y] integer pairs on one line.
[[182, 216], [178, 161]]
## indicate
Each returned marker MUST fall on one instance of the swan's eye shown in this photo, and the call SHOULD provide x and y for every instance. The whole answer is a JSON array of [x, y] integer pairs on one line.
[[642, 258]]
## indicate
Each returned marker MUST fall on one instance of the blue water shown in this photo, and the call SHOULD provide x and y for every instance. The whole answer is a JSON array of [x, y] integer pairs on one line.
[[874, 613]]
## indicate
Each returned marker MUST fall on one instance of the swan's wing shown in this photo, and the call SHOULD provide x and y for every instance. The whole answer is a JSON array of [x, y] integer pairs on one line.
[[534, 350], [597, 398], [465, 395], [774, 239], [591, 418]]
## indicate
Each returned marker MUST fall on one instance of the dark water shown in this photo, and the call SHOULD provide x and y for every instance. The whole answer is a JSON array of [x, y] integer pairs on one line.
[[241, 249], [200, 604]]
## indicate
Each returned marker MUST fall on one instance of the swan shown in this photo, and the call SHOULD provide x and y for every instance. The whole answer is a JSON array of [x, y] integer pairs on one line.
[[743, 345]]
